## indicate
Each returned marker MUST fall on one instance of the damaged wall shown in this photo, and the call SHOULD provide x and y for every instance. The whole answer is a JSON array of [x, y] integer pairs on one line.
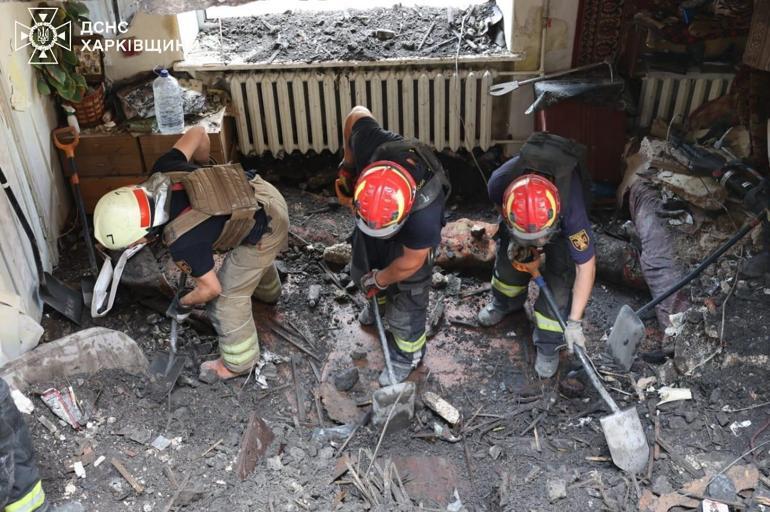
[[147, 27], [31, 165]]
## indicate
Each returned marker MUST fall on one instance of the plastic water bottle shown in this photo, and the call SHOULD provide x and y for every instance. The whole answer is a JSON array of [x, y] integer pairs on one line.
[[169, 111]]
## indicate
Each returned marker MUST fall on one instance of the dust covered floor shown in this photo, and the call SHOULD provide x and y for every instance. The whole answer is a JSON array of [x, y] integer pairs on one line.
[[353, 35], [521, 445]]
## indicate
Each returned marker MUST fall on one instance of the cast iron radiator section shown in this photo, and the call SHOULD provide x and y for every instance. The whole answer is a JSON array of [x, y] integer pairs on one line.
[[282, 112], [669, 95]]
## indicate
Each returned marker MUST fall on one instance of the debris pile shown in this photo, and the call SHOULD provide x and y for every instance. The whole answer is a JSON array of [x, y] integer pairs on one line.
[[364, 35]]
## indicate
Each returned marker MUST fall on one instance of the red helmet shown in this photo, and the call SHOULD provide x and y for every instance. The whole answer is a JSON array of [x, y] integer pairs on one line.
[[383, 198], [531, 207]]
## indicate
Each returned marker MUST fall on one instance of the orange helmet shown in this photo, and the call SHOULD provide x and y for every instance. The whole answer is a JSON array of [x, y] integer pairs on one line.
[[531, 208], [383, 198]]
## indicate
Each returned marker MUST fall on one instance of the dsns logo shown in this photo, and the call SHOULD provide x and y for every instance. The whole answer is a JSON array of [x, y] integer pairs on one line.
[[43, 35]]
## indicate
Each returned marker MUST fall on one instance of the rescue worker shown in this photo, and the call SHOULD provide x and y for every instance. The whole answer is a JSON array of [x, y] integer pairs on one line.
[[20, 485], [541, 197], [397, 189], [199, 210]]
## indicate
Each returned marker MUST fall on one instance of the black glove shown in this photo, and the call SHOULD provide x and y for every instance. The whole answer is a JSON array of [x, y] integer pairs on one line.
[[177, 311]]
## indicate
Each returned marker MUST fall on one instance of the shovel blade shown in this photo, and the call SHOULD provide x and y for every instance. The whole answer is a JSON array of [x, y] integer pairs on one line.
[[62, 298], [163, 376], [625, 336], [626, 440], [387, 398]]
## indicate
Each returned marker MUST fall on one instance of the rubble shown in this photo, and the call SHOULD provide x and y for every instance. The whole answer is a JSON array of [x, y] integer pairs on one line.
[[338, 254], [345, 379]]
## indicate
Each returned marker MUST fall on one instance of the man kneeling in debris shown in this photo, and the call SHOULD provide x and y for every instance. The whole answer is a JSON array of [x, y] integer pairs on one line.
[[199, 211], [541, 196], [397, 189]]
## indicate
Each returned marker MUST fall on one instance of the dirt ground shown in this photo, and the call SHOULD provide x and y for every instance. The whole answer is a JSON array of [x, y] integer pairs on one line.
[[521, 445], [365, 35]]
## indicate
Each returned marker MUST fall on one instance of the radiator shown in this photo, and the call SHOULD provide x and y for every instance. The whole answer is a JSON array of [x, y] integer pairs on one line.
[[668, 95], [284, 111]]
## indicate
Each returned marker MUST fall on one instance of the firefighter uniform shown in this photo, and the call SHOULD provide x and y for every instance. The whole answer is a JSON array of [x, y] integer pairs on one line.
[[405, 303], [562, 162], [222, 209], [20, 487]]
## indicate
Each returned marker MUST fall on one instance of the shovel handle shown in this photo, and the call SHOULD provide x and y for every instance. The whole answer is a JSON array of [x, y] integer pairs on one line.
[[750, 224], [383, 339], [70, 133], [582, 356]]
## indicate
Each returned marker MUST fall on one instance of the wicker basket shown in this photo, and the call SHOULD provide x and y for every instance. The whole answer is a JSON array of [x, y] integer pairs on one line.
[[91, 109]]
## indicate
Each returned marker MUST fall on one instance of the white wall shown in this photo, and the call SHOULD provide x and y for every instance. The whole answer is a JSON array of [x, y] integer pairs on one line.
[[523, 22], [30, 163], [144, 26]]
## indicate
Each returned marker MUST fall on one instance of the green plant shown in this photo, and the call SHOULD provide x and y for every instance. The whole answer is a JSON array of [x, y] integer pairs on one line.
[[62, 78]]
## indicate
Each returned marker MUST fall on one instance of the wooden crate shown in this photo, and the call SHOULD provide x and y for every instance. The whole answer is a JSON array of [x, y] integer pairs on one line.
[[155, 145], [94, 188], [106, 155]]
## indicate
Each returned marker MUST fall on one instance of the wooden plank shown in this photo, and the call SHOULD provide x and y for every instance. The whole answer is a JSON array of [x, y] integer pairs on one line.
[[96, 156], [131, 479]]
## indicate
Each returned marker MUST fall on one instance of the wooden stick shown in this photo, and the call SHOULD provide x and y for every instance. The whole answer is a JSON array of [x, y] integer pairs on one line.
[[131, 479], [286, 338], [297, 391], [211, 447], [425, 37], [175, 497]]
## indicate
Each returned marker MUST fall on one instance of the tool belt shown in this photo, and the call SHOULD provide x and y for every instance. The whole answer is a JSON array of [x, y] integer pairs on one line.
[[213, 191]]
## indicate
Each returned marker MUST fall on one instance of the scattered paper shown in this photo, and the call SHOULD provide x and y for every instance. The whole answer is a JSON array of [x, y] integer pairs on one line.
[[668, 394], [23, 403], [736, 426], [161, 443], [64, 405], [80, 471], [714, 506]]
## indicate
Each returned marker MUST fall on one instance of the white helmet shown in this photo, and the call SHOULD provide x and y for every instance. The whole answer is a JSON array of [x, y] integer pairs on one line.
[[122, 217]]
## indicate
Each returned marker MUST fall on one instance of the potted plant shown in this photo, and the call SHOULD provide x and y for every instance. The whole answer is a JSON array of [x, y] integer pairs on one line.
[[64, 79]]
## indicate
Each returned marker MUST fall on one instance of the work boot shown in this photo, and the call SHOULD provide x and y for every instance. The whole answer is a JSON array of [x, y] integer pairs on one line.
[[493, 313], [402, 364], [756, 266], [546, 365]]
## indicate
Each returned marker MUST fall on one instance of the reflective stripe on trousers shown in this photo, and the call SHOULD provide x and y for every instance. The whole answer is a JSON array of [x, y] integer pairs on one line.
[[410, 346], [509, 290], [32, 500], [240, 353], [547, 323]]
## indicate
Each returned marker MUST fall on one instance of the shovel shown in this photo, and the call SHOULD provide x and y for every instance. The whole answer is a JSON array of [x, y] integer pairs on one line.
[[623, 428], [165, 368], [392, 405], [506, 87], [56, 294], [628, 329], [67, 140]]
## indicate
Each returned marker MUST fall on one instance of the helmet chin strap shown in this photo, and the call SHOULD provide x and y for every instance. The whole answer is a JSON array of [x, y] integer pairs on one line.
[[109, 278]]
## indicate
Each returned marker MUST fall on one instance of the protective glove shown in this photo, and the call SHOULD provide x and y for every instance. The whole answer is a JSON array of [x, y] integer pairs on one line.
[[573, 335], [177, 311], [370, 286], [343, 185]]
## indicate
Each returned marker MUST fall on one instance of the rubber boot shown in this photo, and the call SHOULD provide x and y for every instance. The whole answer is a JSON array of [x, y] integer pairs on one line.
[[402, 364], [546, 364], [493, 313]]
